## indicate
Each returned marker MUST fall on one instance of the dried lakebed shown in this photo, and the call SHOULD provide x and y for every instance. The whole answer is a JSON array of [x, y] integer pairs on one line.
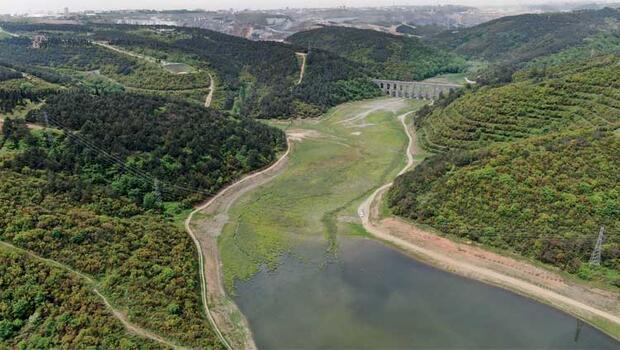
[[306, 275]]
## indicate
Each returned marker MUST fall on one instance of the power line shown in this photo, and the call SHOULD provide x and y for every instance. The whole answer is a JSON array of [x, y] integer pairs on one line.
[[115, 159]]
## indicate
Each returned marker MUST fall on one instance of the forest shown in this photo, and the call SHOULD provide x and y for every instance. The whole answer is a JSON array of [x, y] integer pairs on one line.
[[139, 146], [95, 192], [526, 160], [98, 187], [522, 38], [142, 263], [386, 56], [543, 197], [35, 297], [255, 79]]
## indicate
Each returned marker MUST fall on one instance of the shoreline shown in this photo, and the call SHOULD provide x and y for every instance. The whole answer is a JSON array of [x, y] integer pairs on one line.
[[540, 284], [219, 308]]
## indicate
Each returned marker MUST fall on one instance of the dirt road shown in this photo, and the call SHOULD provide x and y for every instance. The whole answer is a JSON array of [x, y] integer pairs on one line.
[[28, 125], [211, 91], [209, 97], [128, 53], [211, 217], [302, 72], [585, 302], [132, 328]]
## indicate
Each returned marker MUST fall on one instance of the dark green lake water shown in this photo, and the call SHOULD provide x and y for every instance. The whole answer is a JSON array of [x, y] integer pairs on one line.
[[374, 297]]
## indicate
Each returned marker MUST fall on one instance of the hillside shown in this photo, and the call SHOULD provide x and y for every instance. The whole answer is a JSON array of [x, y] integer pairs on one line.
[[529, 165], [521, 38], [543, 197], [32, 290], [101, 191], [255, 79], [571, 95], [386, 56], [136, 257]]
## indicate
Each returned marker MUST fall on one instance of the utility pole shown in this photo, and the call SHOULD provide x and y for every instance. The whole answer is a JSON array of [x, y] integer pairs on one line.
[[595, 259]]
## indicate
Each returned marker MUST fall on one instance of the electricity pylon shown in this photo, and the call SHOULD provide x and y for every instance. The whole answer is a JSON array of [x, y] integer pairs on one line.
[[595, 259], [157, 191], [47, 127]]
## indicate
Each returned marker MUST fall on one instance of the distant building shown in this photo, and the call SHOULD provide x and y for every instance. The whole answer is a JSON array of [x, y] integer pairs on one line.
[[66, 12]]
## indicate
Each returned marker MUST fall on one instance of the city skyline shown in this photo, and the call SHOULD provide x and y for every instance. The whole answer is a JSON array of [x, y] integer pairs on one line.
[[58, 6]]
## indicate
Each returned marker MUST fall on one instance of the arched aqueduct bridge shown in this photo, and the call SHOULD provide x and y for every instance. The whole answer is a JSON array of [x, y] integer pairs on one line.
[[414, 89]]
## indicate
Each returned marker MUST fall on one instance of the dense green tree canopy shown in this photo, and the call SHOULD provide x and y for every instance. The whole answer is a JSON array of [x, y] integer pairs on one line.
[[385, 55]]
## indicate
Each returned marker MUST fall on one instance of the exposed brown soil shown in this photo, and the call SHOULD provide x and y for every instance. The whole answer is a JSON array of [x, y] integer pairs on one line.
[[205, 224]]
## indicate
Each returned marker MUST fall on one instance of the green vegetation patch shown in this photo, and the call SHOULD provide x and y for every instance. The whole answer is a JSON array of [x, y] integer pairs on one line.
[[44, 307], [343, 158], [517, 39], [578, 94], [387, 56], [145, 265], [542, 197]]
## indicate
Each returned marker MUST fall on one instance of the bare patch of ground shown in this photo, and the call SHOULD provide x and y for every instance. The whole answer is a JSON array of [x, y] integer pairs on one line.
[[301, 134], [359, 120]]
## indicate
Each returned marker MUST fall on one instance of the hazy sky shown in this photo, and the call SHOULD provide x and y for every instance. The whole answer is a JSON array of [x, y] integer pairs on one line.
[[21, 6]]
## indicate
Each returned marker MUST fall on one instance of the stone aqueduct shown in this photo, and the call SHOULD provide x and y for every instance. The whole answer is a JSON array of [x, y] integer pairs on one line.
[[414, 89]]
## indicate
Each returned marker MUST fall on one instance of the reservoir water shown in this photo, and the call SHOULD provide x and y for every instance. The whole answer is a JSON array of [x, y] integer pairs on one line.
[[373, 297], [330, 288]]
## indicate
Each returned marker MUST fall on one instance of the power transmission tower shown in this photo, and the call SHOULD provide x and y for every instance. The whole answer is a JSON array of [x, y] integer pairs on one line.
[[157, 191], [47, 127], [595, 259]]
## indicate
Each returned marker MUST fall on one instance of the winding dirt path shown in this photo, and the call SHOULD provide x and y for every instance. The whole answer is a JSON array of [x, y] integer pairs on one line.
[[122, 317], [204, 231], [211, 91], [128, 53], [302, 72], [474, 262]]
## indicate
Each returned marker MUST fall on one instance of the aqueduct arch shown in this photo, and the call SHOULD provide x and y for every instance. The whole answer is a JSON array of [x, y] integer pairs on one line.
[[414, 89]]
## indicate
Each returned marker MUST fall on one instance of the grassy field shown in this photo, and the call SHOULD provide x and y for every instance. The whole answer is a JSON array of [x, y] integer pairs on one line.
[[344, 155]]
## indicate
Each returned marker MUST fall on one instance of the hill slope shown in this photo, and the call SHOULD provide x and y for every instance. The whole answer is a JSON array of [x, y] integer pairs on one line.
[[257, 79], [521, 38], [544, 197], [567, 96], [387, 56]]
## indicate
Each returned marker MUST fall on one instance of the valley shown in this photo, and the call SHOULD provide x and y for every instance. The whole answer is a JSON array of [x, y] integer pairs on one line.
[[317, 238], [177, 187]]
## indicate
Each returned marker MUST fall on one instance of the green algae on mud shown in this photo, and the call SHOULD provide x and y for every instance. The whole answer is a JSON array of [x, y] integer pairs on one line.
[[337, 160]]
